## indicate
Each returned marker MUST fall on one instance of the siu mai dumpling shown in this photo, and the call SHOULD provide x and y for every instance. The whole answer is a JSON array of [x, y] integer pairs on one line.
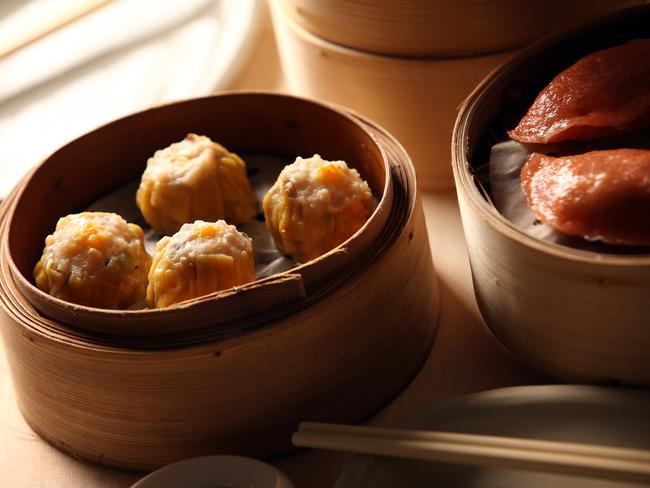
[[199, 259], [195, 179], [599, 195], [95, 259], [315, 205], [606, 93]]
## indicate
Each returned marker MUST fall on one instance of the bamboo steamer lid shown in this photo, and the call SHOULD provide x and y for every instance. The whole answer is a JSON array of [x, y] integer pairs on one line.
[[439, 27], [141, 398], [578, 315], [415, 99]]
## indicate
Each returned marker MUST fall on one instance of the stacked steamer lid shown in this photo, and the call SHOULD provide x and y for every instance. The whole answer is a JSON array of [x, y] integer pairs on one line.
[[237, 370], [408, 64], [575, 307]]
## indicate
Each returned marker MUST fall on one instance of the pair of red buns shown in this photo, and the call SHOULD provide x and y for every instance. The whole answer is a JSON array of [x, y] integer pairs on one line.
[[599, 195]]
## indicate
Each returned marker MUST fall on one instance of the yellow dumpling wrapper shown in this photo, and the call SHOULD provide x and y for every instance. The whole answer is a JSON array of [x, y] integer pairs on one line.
[[199, 259], [315, 205], [195, 179], [95, 259]]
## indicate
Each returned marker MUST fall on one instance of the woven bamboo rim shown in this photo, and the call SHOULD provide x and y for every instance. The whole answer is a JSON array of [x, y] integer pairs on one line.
[[440, 27], [222, 309]]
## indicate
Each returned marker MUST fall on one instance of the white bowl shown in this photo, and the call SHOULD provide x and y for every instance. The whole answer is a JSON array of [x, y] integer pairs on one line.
[[211, 471]]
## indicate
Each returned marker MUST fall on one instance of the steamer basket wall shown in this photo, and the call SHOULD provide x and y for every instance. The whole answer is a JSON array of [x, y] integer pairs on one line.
[[110, 388], [579, 315]]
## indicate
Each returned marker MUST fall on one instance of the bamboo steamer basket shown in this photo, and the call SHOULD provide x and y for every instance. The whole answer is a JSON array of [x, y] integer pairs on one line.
[[439, 27], [304, 345], [415, 99], [578, 315]]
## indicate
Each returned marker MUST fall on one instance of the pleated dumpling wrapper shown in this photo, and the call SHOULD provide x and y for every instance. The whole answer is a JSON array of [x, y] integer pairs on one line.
[[315, 205], [599, 195], [605, 94], [195, 179], [201, 258], [95, 259]]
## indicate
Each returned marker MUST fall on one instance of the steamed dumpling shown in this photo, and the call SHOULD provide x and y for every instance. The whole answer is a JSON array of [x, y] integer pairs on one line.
[[194, 179], [315, 205], [606, 93], [602, 195], [95, 259], [199, 259]]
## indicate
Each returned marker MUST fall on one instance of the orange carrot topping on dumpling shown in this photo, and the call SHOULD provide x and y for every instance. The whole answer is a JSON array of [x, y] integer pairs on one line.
[[315, 205], [96, 259], [605, 94], [597, 195]]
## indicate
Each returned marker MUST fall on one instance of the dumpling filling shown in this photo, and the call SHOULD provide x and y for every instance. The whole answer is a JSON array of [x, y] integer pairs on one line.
[[316, 205], [195, 179], [95, 259], [201, 258]]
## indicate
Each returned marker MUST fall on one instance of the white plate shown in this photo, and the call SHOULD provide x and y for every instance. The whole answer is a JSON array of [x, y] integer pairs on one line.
[[598, 415], [216, 472]]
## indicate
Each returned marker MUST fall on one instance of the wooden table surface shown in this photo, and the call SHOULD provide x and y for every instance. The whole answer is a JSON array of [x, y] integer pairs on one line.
[[464, 359]]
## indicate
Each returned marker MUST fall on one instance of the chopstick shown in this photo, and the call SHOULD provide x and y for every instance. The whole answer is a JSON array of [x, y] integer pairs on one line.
[[12, 41], [612, 463]]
